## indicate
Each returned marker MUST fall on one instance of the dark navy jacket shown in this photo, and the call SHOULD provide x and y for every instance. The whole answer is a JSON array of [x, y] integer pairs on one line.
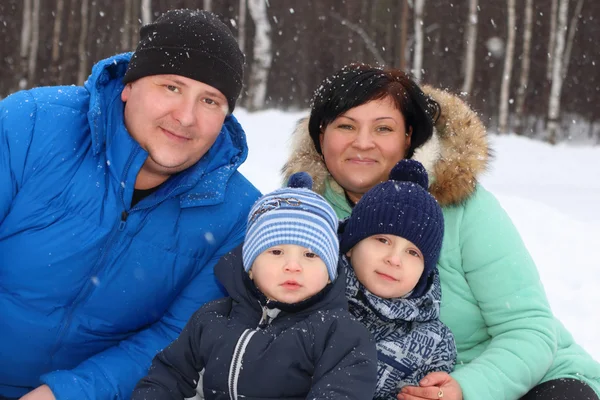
[[90, 287], [235, 348]]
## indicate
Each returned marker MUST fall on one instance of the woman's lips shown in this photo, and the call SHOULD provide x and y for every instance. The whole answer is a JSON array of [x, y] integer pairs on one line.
[[361, 160]]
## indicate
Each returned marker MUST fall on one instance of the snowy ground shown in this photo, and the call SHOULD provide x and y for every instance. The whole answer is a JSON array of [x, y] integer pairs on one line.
[[550, 192]]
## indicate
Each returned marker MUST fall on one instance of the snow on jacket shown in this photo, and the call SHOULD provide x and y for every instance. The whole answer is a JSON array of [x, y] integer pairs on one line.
[[411, 340], [90, 287], [243, 347], [493, 300]]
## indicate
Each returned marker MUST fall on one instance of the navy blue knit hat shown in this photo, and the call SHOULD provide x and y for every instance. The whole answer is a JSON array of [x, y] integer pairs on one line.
[[293, 215], [403, 207], [190, 43]]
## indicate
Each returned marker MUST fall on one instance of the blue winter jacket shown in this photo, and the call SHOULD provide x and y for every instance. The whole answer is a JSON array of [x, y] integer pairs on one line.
[[90, 287]]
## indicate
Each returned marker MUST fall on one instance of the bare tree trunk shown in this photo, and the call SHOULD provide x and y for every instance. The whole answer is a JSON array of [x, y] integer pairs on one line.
[[418, 55], [507, 72], [403, 34], [262, 54], [571, 37], [134, 26], [557, 69], [67, 60], [125, 33], [147, 11], [242, 26], [552, 39], [370, 43], [82, 49], [471, 40], [525, 64], [207, 5], [25, 42], [35, 41], [60, 5]]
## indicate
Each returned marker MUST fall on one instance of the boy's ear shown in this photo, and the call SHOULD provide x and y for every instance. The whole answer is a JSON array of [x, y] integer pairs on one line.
[[349, 253], [250, 275]]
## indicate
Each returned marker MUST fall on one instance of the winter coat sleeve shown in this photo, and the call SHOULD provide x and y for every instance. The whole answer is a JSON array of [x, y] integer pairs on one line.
[[113, 373], [17, 114], [175, 371], [442, 358], [347, 366], [509, 293]]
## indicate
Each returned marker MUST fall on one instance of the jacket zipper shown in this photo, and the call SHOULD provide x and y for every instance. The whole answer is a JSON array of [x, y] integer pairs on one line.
[[240, 349]]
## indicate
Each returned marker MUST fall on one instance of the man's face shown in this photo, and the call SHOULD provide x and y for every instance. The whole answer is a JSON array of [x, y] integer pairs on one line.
[[175, 119]]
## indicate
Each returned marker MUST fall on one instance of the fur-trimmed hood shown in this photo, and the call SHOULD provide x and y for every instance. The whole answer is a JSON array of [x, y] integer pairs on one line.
[[455, 156]]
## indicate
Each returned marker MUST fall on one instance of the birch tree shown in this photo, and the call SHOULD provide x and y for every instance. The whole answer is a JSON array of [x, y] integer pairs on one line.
[[571, 37], [146, 10], [125, 31], [25, 42], [471, 41], [242, 26], [418, 53], [207, 5], [552, 39], [507, 71], [57, 29], [35, 41], [525, 64], [82, 50], [557, 69], [262, 54], [403, 34]]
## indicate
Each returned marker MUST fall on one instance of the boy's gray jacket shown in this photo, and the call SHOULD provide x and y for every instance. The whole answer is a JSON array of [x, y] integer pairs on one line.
[[411, 340], [235, 348]]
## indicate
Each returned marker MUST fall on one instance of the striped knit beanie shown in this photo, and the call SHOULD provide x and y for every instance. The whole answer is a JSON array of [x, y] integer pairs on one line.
[[293, 215], [401, 206]]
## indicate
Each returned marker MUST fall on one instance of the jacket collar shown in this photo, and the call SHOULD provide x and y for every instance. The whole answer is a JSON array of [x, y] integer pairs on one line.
[[203, 184], [456, 155]]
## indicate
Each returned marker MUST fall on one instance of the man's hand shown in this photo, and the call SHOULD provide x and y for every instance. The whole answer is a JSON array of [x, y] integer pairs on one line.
[[435, 386], [40, 393]]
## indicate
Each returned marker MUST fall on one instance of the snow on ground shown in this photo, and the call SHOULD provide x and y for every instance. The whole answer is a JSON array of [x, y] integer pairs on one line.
[[550, 192]]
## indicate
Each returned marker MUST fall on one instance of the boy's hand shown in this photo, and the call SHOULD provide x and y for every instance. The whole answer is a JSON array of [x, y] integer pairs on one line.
[[40, 393], [436, 385]]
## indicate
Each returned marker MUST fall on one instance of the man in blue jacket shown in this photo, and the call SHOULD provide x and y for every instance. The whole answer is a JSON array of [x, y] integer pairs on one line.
[[116, 201]]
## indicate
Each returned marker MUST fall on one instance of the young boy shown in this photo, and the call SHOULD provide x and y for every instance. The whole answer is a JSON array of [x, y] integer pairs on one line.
[[391, 244], [285, 331]]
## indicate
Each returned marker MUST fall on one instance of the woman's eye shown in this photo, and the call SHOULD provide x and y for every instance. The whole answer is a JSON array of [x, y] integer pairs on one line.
[[384, 129], [345, 127]]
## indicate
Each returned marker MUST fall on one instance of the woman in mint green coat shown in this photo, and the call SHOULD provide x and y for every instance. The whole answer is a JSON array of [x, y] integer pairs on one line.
[[510, 346]]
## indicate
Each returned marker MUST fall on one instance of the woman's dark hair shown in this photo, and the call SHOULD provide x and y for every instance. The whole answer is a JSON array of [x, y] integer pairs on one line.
[[357, 84]]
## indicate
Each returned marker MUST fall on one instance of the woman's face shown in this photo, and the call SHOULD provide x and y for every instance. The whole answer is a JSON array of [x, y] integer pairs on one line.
[[361, 146]]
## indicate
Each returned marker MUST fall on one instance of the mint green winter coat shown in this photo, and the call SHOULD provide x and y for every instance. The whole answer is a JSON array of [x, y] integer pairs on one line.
[[507, 338]]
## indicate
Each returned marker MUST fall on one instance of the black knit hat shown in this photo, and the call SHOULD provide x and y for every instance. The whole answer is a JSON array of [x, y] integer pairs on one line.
[[190, 43], [403, 207]]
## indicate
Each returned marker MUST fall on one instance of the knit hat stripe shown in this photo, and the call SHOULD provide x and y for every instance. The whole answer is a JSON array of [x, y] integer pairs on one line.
[[325, 245], [286, 227], [292, 216], [308, 199]]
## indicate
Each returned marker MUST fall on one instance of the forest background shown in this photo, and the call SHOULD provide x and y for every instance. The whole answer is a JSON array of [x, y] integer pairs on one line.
[[528, 67]]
